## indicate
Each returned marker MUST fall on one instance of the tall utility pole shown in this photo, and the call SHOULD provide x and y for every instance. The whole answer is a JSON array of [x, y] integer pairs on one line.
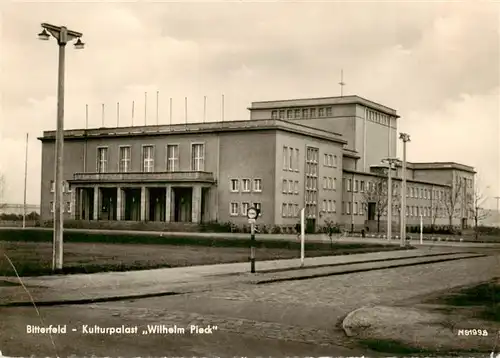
[[405, 138], [63, 36], [25, 180], [390, 162]]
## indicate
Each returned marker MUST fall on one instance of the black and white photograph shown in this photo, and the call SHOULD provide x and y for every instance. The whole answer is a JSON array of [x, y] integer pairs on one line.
[[249, 178]]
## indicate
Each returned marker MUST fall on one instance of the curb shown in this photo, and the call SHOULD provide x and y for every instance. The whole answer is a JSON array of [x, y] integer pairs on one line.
[[319, 275], [355, 262], [85, 301]]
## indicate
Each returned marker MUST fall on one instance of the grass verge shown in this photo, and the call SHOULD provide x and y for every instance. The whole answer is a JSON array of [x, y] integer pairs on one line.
[[31, 251]]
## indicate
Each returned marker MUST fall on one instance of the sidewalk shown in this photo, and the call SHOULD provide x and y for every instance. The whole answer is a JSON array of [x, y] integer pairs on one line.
[[113, 285], [370, 239]]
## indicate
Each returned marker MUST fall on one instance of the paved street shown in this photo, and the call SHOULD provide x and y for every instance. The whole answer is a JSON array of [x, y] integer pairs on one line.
[[288, 318]]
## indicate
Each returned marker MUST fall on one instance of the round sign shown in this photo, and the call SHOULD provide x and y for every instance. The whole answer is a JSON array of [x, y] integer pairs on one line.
[[252, 213]]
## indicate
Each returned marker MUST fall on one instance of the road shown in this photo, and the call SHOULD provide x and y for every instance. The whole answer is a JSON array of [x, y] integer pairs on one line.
[[289, 318]]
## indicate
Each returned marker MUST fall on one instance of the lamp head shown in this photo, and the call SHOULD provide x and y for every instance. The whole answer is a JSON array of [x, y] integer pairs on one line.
[[79, 44], [44, 35]]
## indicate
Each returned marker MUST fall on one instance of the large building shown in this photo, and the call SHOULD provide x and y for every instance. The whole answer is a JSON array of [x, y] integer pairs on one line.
[[321, 154]]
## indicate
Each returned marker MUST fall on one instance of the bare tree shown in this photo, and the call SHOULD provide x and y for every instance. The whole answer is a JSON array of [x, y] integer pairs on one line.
[[437, 206], [476, 207], [451, 200], [376, 192]]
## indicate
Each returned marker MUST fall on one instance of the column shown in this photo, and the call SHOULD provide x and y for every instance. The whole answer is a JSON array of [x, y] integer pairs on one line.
[[97, 207], [73, 206], [168, 203], [143, 203], [196, 204], [118, 204]]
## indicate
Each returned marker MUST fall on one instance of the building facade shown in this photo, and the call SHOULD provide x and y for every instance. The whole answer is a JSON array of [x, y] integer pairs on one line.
[[323, 155]]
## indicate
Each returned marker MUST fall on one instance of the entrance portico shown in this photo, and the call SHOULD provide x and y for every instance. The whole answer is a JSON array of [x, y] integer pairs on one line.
[[153, 203]]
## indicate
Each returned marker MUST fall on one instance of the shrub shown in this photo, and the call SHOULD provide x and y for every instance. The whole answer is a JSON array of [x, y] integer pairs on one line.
[[263, 229], [276, 230]]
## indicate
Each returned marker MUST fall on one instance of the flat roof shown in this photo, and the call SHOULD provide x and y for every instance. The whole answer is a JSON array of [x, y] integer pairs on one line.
[[197, 128], [322, 101]]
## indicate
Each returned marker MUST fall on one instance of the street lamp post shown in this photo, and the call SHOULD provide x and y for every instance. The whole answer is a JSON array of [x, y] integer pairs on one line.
[[390, 162], [63, 36], [405, 138]]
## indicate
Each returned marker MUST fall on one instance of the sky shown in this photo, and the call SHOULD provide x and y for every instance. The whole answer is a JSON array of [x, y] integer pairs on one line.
[[436, 63]]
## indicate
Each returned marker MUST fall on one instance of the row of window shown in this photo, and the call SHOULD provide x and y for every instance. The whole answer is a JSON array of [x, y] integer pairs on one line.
[[66, 187], [148, 158], [358, 209], [411, 192], [329, 206], [298, 113], [67, 207], [234, 185], [377, 117], [330, 160], [237, 209], [329, 183], [290, 186], [291, 158], [290, 210]]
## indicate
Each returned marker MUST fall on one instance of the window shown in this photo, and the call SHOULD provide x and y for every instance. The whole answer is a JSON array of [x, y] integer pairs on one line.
[[67, 187], [258, 206], [284, 186], [245, 183], [328, 111], [362, 186], [334, 206], [297, 160], [334, 186], [356, 183], [290, 210], [325, 186], [291, 161], [348, 184], [102, 160], [325, 159], [67, 207], [335, 161], [290, 186], [52, 207], [147, 158], [348, 208], [355, 210], [235, 185], [297, 113], [421, 193], [407, 211], [172, 157], [321, 112], [52, 186], [257, 185], [285, 158], [124, 159], [274, 114], [313, 112], [361, 209], [296, 188], [324, 206], [198, 157], [329, 183], [343, 208], [244, 208], [289, 114], [296, 209], [234, 209], [284, 210], [282, 114], [305, 113]]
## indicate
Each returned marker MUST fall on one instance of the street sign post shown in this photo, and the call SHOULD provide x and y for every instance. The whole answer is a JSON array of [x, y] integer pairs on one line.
[[252, 215]]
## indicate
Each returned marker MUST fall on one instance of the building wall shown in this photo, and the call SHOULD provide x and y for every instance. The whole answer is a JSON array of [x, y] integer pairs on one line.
[[72, 163], [295, 141], [247, 155]]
